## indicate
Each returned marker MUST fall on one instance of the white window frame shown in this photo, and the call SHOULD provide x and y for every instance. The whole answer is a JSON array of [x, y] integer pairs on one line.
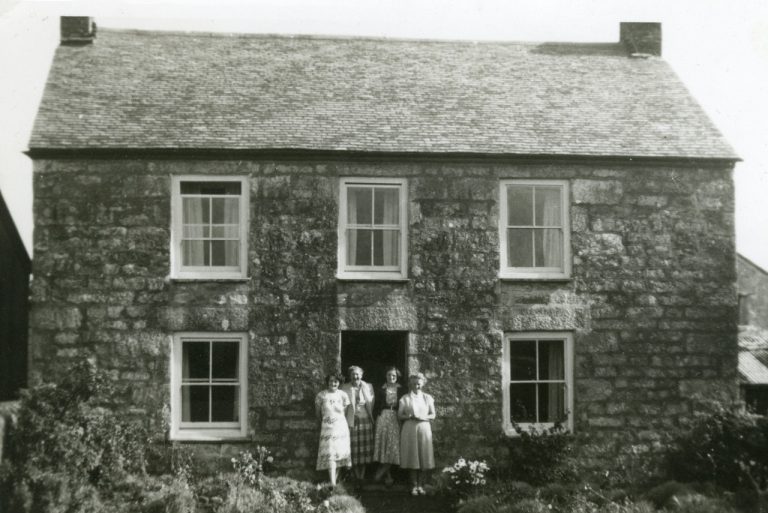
[[372, 272], [208, 431], [535, 273], [180, 271], [509, 338]]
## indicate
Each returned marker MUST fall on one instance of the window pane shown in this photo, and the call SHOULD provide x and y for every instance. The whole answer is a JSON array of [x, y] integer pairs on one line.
[[522, 360], [551, 402], [195, 210], [194, 252], [224, 360], [229, 188], [194, 403], [520, 247], [225, 231], [226, 210], [386, 206], [549, 248], [225, 407], [386, 247], [551, 359], [359, 208], [522, 402], [196, 231], [548, 206], [520, 205], [195, 360], [225, 252], [359, 247]]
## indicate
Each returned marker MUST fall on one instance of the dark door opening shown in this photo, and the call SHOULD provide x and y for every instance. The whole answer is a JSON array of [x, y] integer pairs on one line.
[[374, 351]]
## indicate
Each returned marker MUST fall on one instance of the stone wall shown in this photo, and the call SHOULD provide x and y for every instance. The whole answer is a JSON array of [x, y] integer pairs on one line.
[[651, 302], [753, 291]]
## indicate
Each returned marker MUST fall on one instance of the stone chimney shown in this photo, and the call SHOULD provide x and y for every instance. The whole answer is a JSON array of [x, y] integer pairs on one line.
[[77, 30], [641, 39]]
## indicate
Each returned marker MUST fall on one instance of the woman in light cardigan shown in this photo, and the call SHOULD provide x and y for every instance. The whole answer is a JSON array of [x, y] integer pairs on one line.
[[360, 420], [417, 410]]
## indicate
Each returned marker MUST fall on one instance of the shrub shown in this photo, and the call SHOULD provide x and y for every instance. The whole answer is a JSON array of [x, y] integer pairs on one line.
[[726, 446], [529, 506], [539, 456], [343, 504], [510, 491], [67, 446], [696, 503], [662, 494], [465, 478]]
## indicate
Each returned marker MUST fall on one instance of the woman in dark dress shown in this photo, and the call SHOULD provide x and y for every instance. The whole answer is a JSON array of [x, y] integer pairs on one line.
[[387, 440]]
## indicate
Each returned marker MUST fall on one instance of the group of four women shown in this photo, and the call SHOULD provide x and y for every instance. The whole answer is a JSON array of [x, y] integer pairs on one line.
[[348, 413]]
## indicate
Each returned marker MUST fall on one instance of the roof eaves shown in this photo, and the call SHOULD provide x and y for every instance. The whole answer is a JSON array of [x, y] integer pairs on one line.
[[43, 152]]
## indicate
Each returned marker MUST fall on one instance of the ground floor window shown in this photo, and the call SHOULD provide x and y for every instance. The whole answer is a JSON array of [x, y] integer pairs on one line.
[[209, 386], [537, 380]]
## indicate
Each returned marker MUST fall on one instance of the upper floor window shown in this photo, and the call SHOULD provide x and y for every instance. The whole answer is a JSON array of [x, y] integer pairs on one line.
[[209, 227], [534, 229], [209, 386], [372, 229], [537, 380]]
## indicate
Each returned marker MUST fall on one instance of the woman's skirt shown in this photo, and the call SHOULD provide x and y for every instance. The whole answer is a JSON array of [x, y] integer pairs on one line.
[[334, 443], [387, 446], [416, 445], [362, 440]]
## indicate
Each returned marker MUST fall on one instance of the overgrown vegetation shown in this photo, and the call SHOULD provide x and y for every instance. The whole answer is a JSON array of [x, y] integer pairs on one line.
[[70, 453]]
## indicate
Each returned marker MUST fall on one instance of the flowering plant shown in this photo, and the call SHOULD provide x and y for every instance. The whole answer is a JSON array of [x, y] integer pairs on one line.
[[250, 468], [466, 477]]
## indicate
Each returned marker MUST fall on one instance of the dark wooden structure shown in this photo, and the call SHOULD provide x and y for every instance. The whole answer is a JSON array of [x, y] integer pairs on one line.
[[15, 269]]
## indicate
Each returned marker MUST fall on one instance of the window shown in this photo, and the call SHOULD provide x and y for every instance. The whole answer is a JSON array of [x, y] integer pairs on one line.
[[209, 227], [209, 386], [534, 229], [372, 229], [537, 380]]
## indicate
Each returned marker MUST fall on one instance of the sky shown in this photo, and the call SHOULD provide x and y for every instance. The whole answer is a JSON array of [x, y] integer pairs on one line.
[[719, 48]]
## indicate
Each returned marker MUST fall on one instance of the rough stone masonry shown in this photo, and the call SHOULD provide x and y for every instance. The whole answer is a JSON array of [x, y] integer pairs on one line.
[[651, 301]]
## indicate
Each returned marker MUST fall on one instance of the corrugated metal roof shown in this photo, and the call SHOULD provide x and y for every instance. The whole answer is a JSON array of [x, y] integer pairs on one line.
[[751, 370], [155, 90]]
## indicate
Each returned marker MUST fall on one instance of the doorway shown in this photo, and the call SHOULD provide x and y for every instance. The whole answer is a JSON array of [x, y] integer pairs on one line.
[[374, 351]]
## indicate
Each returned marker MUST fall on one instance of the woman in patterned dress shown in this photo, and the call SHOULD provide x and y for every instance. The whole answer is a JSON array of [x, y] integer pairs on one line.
[[386, 449], [331, 406], [360, 420], [417, 409]]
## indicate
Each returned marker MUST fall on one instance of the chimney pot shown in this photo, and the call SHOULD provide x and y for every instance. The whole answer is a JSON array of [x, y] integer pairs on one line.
[[77, 30], [641, 38]]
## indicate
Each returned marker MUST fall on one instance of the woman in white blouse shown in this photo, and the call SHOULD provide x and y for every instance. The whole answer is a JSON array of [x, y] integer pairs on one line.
[[417, 410]]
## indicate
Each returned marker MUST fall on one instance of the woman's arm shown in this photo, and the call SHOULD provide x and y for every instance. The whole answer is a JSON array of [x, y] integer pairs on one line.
[[430, 408], [402, 414]]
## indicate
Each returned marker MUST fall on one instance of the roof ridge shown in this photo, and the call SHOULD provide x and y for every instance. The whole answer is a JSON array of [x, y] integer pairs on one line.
[[345, 37]]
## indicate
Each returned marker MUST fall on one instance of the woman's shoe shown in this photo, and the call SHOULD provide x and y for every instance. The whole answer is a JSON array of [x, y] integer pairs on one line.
[[414, 491], [421, 491]]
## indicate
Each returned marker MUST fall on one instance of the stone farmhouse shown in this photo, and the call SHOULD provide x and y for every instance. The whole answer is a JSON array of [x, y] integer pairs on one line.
[[544, 229]]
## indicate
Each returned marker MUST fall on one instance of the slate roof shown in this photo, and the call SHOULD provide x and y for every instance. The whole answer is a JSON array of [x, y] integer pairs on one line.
[[162, 90]]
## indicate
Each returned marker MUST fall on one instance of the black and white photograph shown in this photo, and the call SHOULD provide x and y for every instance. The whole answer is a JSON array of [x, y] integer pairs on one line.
[[477, 256]]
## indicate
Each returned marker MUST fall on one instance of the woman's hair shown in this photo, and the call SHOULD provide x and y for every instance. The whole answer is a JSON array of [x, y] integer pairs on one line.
[[393, 368], [353, 368], [418, 375], [335, 376]]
